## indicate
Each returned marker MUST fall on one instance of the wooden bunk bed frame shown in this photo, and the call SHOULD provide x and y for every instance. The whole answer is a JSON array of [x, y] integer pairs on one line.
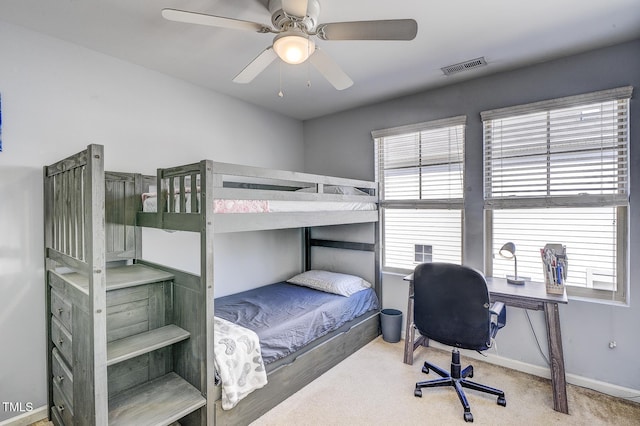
[[105, 368]]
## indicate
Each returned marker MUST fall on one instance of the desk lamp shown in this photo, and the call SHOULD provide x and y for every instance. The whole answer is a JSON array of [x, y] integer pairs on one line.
[[508, 251]]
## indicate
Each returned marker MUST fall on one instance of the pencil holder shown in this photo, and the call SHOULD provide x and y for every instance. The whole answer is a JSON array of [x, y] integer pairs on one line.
[[554, 267]]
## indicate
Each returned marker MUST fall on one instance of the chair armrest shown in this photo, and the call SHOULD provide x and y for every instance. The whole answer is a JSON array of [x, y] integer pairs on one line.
[[498, 316], [496, 308]]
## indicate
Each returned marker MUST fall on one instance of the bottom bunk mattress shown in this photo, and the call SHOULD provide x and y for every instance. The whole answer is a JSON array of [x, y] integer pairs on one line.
[[286, 317]]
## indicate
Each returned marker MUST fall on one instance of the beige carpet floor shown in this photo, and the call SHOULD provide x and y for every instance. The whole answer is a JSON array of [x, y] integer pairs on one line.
[[374, 387]]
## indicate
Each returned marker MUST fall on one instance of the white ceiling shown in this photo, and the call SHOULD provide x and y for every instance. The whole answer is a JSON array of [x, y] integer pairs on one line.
[[508, 33]]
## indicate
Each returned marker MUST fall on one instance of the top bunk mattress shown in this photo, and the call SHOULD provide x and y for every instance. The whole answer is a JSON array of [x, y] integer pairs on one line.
[[287, 317], [150, 205]]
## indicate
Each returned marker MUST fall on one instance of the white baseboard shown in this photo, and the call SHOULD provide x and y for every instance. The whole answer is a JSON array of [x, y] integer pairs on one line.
[[27, 418], [536, 370]]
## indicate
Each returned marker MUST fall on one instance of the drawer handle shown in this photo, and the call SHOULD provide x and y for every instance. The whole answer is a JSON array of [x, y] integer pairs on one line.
[[60, 311], [61, 408], [60, 342], [59, 379]]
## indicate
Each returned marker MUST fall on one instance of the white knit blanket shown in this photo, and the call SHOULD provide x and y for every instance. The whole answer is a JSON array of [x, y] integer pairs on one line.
[[238, 361]]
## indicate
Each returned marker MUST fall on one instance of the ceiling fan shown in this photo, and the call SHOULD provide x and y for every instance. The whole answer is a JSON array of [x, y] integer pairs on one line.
[[295, 23]]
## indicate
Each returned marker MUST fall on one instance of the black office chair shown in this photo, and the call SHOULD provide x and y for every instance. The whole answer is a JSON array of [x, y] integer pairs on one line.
[[451, 306]]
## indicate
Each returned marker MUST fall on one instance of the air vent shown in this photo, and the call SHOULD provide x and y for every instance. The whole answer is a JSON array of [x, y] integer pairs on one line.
[[464, 66]]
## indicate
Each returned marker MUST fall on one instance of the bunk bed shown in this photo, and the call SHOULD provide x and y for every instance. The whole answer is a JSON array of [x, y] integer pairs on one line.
[[105, 368]]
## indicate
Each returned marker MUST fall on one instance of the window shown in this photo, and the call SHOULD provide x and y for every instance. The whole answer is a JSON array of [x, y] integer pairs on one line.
[[420, 169], [423, 253], [557, 172]]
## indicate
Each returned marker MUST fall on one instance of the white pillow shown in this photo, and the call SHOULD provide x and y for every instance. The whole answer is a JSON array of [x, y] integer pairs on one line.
[[333, 189], [344, 190], [330, 282]]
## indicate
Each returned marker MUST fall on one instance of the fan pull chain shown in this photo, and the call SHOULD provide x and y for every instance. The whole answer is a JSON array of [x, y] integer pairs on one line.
[[280, 93], [309, 53]]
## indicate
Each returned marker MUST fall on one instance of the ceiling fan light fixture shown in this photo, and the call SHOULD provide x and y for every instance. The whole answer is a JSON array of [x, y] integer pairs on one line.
[[295, 23], [293, 47]]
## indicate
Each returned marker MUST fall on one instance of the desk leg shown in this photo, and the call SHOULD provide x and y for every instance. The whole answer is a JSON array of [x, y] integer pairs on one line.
[[556, 358], [410, 342], [409, 331]]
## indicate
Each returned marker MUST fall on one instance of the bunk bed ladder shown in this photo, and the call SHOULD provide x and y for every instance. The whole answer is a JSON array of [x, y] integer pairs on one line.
[[111, 331]]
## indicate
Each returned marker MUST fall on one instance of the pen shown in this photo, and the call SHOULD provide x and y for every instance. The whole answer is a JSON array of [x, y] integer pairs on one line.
[[559, 274]]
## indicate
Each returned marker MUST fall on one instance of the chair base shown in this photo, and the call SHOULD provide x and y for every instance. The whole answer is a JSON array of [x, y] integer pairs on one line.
[[458, 379]]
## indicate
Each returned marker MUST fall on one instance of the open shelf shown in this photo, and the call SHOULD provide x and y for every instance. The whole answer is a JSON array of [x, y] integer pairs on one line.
[[121, 277], [161, 401], [132, 346]]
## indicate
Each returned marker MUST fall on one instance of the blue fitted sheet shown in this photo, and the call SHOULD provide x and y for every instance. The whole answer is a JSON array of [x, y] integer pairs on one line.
[[287, 317]]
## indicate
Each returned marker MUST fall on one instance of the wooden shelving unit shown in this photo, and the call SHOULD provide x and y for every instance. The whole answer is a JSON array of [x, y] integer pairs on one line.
[[122, 336]]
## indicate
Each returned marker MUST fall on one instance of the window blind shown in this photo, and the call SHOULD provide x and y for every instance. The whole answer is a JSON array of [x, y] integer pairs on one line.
[[557, 172], [420, 169], [422, 162], [572, 153]]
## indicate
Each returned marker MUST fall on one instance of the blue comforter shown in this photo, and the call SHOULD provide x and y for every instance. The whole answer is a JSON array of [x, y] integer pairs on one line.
[[286, 317]]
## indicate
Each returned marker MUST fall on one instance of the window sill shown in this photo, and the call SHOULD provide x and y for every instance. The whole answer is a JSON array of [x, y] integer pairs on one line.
[[401, 274], [585, 299]]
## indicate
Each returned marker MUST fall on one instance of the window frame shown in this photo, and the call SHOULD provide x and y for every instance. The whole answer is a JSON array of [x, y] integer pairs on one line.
[[619, 201], [417, 204]]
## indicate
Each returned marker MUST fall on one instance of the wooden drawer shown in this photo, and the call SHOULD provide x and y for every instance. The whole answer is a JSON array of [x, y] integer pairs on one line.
[[62, 375], [56, 418], [61, 309], [62, 405], [61, 337]]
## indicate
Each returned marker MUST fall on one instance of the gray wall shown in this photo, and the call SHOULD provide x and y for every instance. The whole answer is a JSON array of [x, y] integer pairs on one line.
[[341, 145], [56, 99]]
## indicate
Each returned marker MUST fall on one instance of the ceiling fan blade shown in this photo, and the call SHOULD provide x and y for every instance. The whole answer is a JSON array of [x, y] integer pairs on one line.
[[390, 29], [330, 70], [212, 20], [295, 7], [256, 66]]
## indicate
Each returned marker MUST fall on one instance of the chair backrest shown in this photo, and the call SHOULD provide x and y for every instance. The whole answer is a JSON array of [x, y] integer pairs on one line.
[[451, 305]]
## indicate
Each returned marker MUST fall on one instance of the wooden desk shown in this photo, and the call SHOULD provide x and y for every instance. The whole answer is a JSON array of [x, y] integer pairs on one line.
[[532, 295]]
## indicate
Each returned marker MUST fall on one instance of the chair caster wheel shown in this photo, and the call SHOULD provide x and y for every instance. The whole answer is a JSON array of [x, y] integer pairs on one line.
[[470, 373], [468, 417], [418, 393], [502, 401], [425, 369]]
